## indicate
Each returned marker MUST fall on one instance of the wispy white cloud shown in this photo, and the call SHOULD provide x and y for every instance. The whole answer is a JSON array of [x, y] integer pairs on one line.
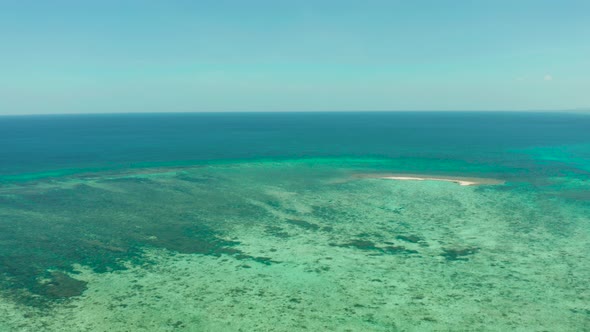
[[548, 77]]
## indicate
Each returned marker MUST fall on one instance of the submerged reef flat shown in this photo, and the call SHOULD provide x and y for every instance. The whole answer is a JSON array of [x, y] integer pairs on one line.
[[280, 246]]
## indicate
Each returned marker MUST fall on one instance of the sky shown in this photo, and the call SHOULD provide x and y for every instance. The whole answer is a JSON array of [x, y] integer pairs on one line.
[[108, 56]]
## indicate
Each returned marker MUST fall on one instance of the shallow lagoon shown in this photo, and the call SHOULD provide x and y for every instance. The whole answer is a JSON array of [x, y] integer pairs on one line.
[[291, 245]]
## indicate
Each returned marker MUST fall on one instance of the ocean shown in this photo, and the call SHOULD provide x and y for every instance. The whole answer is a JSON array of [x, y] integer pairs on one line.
[[344, 221]]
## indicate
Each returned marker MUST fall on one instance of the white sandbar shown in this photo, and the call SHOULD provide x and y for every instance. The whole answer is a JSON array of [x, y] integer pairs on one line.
[[463, 181]]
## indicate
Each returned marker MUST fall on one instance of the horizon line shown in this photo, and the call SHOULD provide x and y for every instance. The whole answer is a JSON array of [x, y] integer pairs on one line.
[[580, 110]]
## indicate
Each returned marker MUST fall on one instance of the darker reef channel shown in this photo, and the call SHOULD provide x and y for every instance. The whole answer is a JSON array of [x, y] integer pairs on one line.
[[371, 246]]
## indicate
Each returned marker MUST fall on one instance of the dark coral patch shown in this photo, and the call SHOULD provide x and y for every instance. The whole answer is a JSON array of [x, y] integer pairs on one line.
[[61, 285], [369, 245], [303, 224], [456, 254], [409, 238], [361, 244], [398, 250], [276, 231]]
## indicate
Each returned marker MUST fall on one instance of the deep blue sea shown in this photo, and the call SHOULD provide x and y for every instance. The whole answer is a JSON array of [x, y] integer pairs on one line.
[[37, 144]]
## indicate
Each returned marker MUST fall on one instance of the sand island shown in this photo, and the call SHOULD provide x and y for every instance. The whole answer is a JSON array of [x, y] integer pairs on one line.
[[463, 181]]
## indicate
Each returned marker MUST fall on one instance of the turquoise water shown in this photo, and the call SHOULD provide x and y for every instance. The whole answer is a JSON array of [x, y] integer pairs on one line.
[[284, 222]]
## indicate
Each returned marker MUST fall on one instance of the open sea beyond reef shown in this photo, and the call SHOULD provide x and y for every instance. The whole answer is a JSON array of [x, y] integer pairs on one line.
[[295, 222]]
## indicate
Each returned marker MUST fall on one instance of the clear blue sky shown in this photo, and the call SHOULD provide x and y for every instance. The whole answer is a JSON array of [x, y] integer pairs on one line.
[[171, 55]]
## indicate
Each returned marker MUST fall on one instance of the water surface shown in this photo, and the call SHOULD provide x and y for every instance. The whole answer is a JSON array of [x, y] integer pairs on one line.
[[278, 222]]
